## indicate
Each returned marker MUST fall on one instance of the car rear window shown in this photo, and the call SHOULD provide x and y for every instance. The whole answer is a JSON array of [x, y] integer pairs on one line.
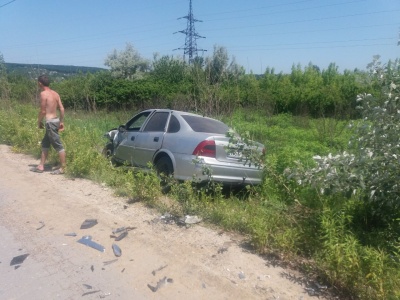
[[200, 124]]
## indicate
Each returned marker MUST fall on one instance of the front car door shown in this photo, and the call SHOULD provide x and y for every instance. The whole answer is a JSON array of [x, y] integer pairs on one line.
[[150, 138], [125, 140]]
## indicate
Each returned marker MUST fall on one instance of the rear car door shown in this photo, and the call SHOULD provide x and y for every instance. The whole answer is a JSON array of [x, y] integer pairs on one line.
[[150, 139]]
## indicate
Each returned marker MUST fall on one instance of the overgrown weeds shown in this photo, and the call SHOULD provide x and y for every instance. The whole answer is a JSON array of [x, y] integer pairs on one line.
[[326, 231]]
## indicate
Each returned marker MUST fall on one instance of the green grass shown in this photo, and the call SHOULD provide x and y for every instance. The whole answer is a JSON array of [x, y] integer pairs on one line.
[[326, 234]]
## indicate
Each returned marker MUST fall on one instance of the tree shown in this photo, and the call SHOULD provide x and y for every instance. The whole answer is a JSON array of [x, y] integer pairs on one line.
[[4, 85], [311, 99], [370, 169], [127, 64], [220, 67], [169, 69], [209, 82]]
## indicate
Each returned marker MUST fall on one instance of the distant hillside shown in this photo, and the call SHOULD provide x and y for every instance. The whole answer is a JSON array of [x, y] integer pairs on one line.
[[56, 71]]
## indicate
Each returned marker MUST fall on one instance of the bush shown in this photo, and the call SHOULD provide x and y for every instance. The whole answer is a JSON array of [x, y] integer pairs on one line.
[[370, 169], [359, 194]]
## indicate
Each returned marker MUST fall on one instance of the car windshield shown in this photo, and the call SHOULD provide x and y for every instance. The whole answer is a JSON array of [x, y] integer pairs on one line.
[[200, 124]]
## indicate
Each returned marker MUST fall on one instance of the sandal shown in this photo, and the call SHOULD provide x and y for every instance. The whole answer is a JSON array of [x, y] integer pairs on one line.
[[57, 172], [36, 170]]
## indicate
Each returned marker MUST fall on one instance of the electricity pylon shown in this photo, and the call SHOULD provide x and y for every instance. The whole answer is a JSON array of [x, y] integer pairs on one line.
[[190, 47]]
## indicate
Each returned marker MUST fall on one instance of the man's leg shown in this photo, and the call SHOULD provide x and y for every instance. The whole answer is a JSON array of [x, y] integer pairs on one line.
[[43, 159], [45, 150], [62, 156], [55, 141]]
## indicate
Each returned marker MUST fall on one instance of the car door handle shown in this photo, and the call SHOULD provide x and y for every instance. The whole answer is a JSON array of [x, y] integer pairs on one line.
[[156, 139], [132, 138]]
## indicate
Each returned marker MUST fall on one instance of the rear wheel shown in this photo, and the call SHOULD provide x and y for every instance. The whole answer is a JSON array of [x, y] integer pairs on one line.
[[164, 170]]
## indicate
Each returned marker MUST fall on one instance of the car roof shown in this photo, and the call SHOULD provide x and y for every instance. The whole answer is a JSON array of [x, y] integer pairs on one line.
[[179, 112]]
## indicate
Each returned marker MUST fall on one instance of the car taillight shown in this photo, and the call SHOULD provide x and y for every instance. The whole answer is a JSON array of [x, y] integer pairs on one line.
[[205, 148]]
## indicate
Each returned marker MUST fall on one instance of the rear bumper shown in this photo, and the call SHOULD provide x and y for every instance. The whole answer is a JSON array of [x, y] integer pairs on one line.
[[234, 175], [222, 172]]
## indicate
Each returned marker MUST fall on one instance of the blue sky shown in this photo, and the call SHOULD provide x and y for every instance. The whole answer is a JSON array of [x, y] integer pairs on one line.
[[258, 34]]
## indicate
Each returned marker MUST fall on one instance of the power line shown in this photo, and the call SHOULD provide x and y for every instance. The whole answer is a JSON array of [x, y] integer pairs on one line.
[[7, 3], [190, 47], [149, 41], [302, 21]]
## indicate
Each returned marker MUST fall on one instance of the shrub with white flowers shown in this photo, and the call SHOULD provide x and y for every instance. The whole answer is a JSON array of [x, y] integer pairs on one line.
[[371, 167]]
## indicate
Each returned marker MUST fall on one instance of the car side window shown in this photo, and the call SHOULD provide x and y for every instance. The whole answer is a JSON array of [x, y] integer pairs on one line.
[[157, 122], [174, 125], [136, 122]]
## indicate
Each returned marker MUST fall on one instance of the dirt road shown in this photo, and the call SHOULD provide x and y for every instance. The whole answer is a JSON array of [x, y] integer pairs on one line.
[[158, 260]]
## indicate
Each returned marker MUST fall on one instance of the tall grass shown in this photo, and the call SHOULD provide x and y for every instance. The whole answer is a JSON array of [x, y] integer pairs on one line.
[[325, 234]]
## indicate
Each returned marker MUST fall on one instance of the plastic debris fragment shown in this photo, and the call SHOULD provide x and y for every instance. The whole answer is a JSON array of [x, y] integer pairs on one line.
[[118, 230], [17, 260], [89, 293], [105, 263], [192, 219], [310, 291], [159, 269], [121, 236], [88, 223], [105, 295], [181, 222], [320, 287], [167, 218], [41, 222], [70, 234], [117, 250], [89, 287], [121, 229], [87, 240], [241, 275], [315, 289], [160, 284]]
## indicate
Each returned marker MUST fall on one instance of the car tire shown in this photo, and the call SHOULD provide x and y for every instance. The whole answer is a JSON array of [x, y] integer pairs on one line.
[[164, 170], [108, 150]]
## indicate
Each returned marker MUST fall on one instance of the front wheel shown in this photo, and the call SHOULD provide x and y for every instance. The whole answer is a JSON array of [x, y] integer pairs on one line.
[[164, 170], [108, 150]]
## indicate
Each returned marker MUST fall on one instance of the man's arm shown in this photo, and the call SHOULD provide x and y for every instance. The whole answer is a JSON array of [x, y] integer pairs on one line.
[[61, 109], [42, 110]]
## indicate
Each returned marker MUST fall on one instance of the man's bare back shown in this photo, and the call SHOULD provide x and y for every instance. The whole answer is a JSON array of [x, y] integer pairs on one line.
[[50, 102]]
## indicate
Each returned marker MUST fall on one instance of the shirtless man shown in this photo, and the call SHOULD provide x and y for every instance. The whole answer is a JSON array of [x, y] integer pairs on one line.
[[50, 102]]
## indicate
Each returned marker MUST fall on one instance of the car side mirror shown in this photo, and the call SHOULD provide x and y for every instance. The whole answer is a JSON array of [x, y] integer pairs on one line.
[[121, 128]]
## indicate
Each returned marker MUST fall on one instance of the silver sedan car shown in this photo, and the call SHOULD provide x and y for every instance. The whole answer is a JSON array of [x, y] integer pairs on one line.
[[183, 145]]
